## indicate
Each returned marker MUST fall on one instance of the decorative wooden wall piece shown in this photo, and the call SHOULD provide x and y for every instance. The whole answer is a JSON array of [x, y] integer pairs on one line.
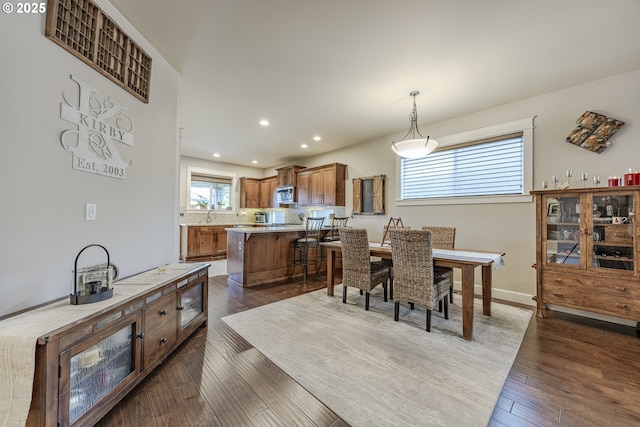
[[368, 195], [83, 29], [594, 131]]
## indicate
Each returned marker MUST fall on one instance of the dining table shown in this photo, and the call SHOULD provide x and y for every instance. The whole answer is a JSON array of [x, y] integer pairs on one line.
[[464, 259]]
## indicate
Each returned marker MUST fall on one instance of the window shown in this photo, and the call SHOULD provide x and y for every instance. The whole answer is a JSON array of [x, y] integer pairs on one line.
[[487, 165], [209, 189]]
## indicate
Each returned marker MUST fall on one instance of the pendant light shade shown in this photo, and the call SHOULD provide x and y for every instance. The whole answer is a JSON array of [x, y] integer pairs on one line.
[[413, 145]]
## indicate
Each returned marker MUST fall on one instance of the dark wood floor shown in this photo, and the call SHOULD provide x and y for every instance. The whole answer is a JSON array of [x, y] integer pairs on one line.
[[570, 371]]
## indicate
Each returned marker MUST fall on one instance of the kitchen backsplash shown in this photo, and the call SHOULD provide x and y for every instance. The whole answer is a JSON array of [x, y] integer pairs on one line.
[[245, 216]]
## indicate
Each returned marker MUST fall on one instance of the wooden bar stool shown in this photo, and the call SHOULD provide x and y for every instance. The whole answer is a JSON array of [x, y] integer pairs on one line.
[[301, 247]]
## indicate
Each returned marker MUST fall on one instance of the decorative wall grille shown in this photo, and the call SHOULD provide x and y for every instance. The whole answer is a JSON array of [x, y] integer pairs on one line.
[[83, 29]]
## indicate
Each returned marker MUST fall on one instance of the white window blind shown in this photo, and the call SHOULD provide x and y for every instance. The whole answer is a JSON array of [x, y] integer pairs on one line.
[[481, 168]]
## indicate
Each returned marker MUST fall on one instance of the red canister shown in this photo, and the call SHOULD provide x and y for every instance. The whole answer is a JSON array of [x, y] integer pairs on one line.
[[636, 178], [629, 179], [614, 181]]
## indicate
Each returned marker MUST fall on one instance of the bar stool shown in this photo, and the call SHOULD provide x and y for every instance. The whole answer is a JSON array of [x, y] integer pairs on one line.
[[333, 236], [301, 247]]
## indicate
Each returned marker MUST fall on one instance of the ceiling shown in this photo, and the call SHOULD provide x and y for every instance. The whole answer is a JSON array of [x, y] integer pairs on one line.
[[343, 69]]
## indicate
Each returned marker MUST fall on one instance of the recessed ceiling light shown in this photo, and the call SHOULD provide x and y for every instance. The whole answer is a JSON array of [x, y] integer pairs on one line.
[[316, 138], [216, 154], [264, 122], [303, 146], [254, 161]]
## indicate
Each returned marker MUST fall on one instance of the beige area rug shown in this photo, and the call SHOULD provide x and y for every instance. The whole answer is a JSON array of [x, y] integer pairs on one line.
[[372, 371]]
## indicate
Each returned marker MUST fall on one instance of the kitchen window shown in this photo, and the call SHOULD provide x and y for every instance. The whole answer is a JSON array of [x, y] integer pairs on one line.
[[489, 165], [209, 190]]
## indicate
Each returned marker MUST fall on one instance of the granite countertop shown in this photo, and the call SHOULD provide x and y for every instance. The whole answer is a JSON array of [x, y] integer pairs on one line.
[[268, 229]]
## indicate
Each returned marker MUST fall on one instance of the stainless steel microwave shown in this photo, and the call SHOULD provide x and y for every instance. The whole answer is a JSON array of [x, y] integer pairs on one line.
[[285, 194]]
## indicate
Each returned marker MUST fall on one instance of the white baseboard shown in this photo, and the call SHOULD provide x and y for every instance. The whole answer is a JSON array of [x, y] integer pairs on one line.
[[516, 297]]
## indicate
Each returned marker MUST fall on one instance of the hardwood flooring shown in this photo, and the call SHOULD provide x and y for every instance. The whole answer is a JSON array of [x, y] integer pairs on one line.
[[570, 371]]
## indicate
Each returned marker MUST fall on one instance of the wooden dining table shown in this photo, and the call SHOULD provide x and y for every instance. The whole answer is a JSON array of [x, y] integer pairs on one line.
[[466, 260]]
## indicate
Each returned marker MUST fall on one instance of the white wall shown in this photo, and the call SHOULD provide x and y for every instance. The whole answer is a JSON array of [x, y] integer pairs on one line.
[[42, 224], [511, 227]]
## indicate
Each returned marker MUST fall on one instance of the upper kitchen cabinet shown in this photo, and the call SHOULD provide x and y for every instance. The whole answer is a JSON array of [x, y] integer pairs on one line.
[[322, 185], [287, 175], [268, 192], [249, 193], [258, 193]]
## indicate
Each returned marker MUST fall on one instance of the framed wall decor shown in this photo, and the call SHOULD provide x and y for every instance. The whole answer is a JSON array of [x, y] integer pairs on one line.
[[369, 195]]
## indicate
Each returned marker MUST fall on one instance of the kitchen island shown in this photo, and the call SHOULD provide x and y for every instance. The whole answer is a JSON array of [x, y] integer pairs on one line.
[[259, 255]]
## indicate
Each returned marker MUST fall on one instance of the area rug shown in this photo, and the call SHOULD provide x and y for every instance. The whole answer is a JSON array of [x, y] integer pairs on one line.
[[372, 371]]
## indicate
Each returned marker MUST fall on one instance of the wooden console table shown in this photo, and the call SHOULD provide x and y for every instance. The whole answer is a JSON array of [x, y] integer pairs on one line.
[[85, 358]]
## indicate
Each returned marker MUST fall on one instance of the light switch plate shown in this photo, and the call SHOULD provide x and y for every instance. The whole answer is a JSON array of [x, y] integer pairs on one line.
[[90, 212]]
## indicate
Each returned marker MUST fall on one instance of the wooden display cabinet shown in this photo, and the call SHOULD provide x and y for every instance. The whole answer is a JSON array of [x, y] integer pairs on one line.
[[584, 259]]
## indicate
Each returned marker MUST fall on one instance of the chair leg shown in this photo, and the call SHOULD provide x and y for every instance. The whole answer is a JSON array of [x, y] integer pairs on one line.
[[361, 292], [391, 289], [384, 286], [396, 310], [412, 305], [451, 294], [366, 301], [446, 308], [344, 294], [440, 306], [305, 262], [428, 320]]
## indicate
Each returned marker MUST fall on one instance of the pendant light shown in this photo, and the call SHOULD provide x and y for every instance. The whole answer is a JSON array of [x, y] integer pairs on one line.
[[413, 144]]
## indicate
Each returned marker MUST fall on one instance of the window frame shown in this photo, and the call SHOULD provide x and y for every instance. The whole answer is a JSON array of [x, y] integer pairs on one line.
[[216, 174], [525, 126]]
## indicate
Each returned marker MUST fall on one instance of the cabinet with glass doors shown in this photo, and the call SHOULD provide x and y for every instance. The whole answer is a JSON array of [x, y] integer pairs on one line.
[[587, 250]]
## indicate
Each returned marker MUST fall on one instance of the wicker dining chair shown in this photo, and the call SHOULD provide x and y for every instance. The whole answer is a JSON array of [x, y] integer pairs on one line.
[[415, 281], [443, 238], [357, 269], [393, 225], [302, 245]]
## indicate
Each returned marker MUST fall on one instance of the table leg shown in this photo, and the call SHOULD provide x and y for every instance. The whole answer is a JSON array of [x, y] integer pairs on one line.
[[331, 262], [486, 289], [467, 302]]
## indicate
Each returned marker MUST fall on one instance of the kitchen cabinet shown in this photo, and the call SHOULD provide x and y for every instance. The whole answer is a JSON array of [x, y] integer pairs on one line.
[[249, 193], [322, 185], [258, 193], [206, 242], [83, 369], [268, 192], [587, 250], [287, 175]]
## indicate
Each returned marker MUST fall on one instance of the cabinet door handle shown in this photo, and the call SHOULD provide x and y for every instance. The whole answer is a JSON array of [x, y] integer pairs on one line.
[[163, 340], [163, 312], [558, 294], [180, 308], [620, 288], [619, 305], [558, 279], [141, 335]]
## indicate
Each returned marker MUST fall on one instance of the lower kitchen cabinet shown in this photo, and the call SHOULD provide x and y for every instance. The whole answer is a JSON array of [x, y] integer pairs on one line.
[[85, 368], [205, 242]]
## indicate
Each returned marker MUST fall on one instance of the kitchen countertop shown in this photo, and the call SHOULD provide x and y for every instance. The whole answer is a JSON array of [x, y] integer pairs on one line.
[[268, 229]]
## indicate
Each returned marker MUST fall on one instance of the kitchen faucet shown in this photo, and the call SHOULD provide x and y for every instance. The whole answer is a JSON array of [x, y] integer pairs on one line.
[[209, 215]]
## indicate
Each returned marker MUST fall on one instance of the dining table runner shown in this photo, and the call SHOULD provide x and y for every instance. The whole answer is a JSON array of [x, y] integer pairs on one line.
[[497, 258]]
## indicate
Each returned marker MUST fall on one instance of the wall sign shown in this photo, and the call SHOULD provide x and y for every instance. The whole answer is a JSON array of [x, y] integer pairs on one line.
[[100, 125]]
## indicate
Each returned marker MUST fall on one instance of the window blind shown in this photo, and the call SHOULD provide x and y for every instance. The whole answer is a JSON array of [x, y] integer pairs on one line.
[[481, 168]]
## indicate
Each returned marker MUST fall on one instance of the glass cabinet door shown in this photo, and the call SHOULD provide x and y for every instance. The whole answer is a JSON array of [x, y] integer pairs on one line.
[[563, 233], [613, 237], [191, 304]]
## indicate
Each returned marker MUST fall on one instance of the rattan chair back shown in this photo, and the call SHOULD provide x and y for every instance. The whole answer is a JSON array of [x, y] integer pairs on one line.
[[411, 251], [442, 237]]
